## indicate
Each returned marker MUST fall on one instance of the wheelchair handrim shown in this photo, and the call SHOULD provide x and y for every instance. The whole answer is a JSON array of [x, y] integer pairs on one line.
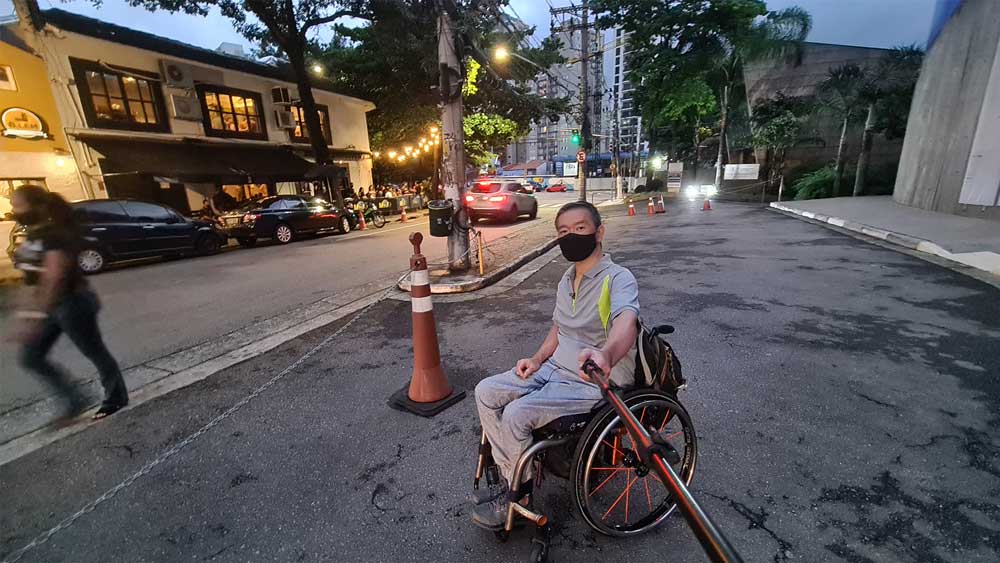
[[595, 477]]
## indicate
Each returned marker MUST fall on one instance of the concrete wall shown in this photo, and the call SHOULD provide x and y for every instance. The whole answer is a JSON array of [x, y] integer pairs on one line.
[[821, 135], [948, 110], [347, 115]]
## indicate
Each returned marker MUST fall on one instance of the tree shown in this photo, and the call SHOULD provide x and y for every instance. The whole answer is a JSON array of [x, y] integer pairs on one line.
[[888, 92], [842, 92], [283, 25], [677, 43], [485, 132], [777, 124]]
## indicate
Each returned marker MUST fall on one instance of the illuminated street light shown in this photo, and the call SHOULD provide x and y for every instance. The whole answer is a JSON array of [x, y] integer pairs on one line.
[[391, 154], [408, 149], [376, 154], [401, 158], [501, 54], [434, 130], [657, 163], [317, 68]]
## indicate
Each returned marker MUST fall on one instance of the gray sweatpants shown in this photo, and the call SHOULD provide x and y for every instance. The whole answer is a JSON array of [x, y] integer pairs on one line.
[[511, 407]]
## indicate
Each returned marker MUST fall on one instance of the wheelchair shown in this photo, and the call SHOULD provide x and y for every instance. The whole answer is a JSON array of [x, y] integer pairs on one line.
[[614, 491]]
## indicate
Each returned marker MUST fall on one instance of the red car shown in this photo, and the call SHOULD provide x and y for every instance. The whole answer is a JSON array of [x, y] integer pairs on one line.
[[556, 188]]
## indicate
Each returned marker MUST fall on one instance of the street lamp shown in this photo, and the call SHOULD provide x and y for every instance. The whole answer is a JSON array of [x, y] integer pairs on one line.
[[392, 155], [434, 130], [501, 53], [317, 68]]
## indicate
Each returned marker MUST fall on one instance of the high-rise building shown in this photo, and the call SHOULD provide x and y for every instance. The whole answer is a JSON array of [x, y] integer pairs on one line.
[[626, 113], [550, 138]]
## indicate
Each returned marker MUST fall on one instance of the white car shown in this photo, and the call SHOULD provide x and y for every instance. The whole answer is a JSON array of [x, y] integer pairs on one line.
[[701, 192]]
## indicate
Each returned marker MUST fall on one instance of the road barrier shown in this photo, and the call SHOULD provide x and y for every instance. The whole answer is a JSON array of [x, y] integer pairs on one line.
[[428, 391]]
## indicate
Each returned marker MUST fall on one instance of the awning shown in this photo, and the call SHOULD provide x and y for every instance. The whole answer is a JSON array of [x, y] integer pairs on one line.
[[199, 162]]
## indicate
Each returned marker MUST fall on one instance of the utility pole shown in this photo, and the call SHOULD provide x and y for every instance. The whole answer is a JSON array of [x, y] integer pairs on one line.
[[452, 140]]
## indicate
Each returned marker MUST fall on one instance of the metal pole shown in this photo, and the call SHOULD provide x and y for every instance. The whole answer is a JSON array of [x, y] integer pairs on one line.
[[452, 141], [585, 99]]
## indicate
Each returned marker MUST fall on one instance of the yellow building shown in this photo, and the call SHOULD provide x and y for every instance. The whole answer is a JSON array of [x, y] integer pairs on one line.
[[33, 146]]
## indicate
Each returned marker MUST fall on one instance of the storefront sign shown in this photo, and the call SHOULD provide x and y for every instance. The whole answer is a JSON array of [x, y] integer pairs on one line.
[[742, 172], [22, 124]]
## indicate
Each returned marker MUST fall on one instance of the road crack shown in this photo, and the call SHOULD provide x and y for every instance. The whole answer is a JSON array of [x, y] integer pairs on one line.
[[757, 519]]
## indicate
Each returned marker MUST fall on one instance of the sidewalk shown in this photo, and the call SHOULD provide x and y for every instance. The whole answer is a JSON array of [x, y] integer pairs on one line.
[[973, 242]]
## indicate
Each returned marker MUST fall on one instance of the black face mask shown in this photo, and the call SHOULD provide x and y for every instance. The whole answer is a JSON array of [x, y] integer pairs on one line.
[[576, 247], [28, 218]]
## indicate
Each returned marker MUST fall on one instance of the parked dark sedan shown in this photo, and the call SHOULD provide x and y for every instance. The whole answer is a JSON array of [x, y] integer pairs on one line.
[[116, 230], [285, 217]]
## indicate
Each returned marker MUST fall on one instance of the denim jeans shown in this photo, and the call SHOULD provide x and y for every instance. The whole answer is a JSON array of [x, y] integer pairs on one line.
[[511, 407], [76, 315]]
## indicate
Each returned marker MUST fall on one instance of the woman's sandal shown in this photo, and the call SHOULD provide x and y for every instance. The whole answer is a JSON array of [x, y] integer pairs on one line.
[[107, 410]]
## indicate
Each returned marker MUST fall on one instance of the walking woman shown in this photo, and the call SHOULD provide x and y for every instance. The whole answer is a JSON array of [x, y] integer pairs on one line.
[[60, 300]]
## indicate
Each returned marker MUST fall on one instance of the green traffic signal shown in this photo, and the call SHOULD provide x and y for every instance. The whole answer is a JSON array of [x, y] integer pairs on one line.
[[575, 137]]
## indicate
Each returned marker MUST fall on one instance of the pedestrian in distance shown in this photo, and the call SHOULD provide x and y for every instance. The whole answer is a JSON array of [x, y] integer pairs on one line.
[[59, 300], [595, 318]]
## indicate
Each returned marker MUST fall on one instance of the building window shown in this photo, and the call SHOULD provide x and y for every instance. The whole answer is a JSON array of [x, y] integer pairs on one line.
[[301, 134], [115, 98], [7, 78], [232, 113]]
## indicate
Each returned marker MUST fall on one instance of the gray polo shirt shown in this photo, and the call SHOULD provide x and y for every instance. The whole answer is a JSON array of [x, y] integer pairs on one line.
[[584, 319]]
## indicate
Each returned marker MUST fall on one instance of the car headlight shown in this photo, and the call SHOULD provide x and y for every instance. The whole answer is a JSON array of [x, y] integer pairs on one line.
[[691, 192]]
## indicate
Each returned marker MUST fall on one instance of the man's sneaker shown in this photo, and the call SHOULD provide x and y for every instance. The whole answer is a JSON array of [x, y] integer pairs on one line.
[[484, 495], [491, 515]]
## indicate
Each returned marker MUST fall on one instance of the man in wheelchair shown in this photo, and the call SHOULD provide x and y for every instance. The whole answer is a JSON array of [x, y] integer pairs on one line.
[[595, 318]]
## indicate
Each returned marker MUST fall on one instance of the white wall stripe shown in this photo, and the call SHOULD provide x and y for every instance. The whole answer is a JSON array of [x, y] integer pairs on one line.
[[422, 304], [419, 277]]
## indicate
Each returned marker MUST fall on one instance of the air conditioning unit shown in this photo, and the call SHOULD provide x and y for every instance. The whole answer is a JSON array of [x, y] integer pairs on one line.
[[284, 118], [281, 96], [177, 75], [185, 107]]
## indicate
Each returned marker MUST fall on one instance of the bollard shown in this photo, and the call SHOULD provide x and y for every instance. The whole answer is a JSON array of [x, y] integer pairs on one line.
[[428, 391]]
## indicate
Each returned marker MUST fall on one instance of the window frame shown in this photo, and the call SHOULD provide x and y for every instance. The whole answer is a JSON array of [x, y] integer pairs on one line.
[[206, 119], [143, 219], [327, 129], [80, 68]]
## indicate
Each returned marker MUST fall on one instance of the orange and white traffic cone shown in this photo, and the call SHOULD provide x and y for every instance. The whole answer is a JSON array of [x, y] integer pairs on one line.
[[402, 218], [649, 207], [361, 221], [660, 207], [707, 206], [631, 208], [428, 392]]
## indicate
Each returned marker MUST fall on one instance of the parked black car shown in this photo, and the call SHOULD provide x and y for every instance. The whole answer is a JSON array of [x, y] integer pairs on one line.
[[285, 217], [116, 230]]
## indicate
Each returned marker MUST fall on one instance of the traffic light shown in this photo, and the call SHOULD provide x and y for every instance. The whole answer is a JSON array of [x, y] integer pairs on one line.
[[575, 137]]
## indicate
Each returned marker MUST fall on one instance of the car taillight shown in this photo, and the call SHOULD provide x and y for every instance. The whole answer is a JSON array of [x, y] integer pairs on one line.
[[250, 218], [470, 198], [498, 198]]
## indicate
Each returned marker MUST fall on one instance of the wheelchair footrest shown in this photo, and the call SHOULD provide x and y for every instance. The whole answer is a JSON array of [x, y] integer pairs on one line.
[[525, 512]]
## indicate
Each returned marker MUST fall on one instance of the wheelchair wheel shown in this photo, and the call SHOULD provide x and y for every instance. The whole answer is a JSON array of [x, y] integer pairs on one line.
[[615, 492]]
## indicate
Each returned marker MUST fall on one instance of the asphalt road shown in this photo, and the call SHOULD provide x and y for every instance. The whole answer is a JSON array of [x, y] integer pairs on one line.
[[157, 307], [845, 398]]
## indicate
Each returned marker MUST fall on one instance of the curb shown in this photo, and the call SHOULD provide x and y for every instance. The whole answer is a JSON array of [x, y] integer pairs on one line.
[[481, 282], [987, 262]]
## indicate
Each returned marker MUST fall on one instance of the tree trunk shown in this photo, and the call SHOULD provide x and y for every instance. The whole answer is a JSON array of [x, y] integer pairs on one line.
[[838, 169], [307, 103], [697, 154], [723, 128], [866, 152]]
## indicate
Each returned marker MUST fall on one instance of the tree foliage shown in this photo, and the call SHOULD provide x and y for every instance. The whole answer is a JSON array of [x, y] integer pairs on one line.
[[485, 133]]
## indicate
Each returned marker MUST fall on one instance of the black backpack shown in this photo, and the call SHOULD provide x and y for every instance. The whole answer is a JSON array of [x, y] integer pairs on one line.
[[656, 364]]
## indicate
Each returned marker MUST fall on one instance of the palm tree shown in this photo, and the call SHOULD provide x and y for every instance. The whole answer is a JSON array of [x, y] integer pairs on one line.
[[778, 34], [895, 74], [843, 92]]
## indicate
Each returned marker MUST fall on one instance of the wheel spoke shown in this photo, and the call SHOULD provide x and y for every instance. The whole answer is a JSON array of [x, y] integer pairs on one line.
[[649, 499], [605, 482], [620, 497], [666, 418], [613, 447]]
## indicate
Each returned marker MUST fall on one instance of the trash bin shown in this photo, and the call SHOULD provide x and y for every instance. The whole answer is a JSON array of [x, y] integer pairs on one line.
[[441, 212]]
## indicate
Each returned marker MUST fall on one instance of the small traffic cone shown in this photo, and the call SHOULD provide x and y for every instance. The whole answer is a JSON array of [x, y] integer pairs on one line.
[[631, 209], [649, 207], [707, 206], [660, 208], [361, 221], [428, 391], [402, 218]]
